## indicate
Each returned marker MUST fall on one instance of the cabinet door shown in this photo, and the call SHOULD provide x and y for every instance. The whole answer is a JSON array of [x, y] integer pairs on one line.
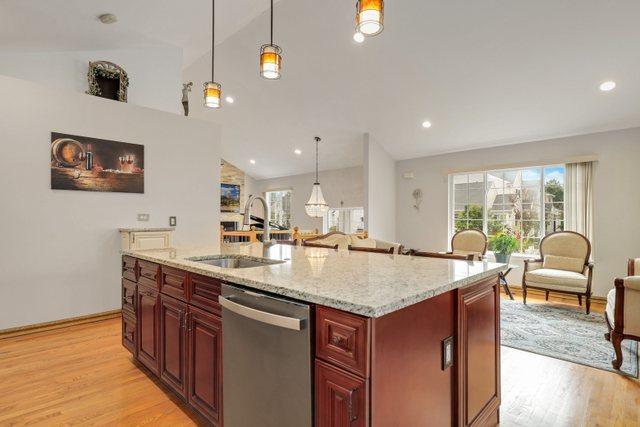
[[479, 353], [129, 290], [129, 332], [148, 325], [150, 240], [173, 344], [341, 397], [205, 364]]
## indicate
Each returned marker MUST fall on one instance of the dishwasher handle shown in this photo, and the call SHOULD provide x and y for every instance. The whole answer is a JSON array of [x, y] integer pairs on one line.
[[261, 316]]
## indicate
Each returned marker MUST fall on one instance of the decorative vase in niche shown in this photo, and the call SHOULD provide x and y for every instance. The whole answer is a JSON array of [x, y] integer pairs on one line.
[[502, 258]]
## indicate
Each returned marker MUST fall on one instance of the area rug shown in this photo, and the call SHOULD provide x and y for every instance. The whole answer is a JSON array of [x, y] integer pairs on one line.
[[564, 334]]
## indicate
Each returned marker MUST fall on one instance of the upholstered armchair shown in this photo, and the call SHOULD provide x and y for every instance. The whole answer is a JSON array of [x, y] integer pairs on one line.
[[623, 310], [563, 267], [465, 244]]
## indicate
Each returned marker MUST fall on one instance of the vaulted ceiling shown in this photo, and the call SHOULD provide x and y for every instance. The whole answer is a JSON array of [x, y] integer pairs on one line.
[[485, 73]]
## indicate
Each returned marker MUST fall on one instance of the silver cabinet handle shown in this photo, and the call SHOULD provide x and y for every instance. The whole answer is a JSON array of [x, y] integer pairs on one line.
[[261, 316]]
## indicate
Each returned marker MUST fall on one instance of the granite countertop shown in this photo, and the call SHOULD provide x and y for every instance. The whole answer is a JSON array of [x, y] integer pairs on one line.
[[139, 229], [369, 284]]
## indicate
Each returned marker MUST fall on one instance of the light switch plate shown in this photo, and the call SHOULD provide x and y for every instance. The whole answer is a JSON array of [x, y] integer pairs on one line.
[[172, 221], [447, 352], [143, 217]]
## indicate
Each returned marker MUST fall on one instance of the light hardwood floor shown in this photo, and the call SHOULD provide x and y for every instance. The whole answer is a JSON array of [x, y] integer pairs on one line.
[[81, 375]]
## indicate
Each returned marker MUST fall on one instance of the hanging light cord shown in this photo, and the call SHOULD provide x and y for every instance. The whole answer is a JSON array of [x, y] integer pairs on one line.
[[272, 22], [317, 141], [213, 38]]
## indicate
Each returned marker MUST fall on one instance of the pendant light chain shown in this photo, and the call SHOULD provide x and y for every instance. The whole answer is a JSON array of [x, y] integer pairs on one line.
[[213, 38], [317, 141], [272, 22]]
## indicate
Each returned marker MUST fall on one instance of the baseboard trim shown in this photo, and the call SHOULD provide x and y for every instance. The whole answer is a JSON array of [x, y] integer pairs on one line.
[[58, 324], [518, 290]]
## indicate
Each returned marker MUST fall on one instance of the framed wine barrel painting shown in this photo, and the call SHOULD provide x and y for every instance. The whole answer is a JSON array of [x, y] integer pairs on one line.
[[91, 164]]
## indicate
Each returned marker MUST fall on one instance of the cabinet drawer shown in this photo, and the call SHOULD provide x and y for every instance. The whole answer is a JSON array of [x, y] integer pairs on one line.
[[129, 289], [173, 282], [343, 339], [148, 273], [129, 268], [129, 333], [203, 292], [342, 399]]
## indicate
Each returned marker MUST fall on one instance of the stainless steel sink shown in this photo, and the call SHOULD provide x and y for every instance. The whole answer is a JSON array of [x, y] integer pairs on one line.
[[235, 261]]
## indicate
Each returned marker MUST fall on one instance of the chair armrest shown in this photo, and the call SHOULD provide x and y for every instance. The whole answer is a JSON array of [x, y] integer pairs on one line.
[[532, 264], [631, 282]]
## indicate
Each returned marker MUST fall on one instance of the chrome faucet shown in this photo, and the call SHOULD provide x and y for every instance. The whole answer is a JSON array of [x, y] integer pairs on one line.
[[266, 237]]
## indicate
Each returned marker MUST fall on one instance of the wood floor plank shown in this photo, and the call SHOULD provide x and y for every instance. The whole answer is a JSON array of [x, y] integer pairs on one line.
[[81, 375]]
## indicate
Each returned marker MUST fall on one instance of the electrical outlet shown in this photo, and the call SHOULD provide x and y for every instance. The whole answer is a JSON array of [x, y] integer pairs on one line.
[[172, 221], [447, 353], [143, 217]]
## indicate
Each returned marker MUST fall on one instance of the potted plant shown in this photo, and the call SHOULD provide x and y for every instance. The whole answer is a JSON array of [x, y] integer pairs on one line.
[[503, 245]]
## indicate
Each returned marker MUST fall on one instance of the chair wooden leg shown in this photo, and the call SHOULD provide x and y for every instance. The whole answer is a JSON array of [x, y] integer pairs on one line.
[[616, 340], [546, 295], [524, 294], [587, 303], [580, 300]]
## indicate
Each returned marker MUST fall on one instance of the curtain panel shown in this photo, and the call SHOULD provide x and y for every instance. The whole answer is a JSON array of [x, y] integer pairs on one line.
[[578, 202]]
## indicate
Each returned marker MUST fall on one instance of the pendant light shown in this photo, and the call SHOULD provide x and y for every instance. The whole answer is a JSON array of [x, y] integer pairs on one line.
[[270, 57], [212, 90], [316, 207], [369, 17]]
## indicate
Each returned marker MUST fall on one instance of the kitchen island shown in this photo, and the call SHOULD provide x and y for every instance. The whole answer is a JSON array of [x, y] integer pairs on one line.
[[394, 340]]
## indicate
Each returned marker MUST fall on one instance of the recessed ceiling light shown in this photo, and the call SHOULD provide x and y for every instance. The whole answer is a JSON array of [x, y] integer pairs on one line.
[[253, 162], [426, 124], [108, 18], [297, 151], [229, 99], [607, 86], [358, 37]]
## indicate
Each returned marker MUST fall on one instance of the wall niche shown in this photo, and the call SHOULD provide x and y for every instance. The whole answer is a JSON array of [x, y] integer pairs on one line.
[[107, 80]]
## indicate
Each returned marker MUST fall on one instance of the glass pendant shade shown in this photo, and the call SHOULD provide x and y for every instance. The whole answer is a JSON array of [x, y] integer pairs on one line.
[[212, 94], [369, 17], [270, 61], [316, 206]]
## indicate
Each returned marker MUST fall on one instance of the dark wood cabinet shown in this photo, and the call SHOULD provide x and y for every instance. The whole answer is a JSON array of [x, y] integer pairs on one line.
[[148, 326], [129, 290], [479, 348], [380, 371], [341, 397], [130, 268], [343, 339], [129, 333], [205, 364], [173, 282], [148, 274], [171, 323], [203, 292], [173, 344]]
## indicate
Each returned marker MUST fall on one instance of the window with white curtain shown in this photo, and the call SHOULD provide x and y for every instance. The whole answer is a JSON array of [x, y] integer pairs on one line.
[[346, 220], [526, 202]]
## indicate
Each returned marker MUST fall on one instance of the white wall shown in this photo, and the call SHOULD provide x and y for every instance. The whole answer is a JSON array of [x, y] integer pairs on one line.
[[59, 256], [616, 200], [154, 73], [380, 191], [340, 187]]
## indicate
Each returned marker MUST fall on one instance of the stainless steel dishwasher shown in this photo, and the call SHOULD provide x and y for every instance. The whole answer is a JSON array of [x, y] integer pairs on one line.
[[266, 357]]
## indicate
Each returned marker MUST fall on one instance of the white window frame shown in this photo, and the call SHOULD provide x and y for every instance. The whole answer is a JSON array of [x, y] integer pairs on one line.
[[485, 217], [279, 190], [325, 217]]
